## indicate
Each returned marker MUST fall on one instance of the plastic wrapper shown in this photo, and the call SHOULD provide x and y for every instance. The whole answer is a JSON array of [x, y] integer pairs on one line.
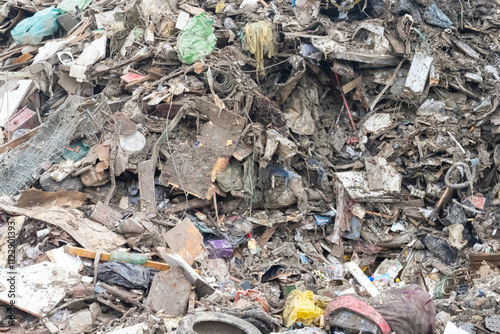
[[440, 249], [259, 40], [196, 40], [302, 306], [69, 6], [434, 16], [219, 249], [126, 275], [33, 29]]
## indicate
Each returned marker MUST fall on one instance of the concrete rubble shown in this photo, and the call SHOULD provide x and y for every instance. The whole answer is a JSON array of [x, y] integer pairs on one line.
[[249, 166]]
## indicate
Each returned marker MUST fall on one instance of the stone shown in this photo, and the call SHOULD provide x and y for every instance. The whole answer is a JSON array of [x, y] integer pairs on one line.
[[170, 292]]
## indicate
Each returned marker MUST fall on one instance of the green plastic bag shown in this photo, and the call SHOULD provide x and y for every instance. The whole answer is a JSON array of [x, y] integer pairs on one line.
[[196, 40], [68, 6]]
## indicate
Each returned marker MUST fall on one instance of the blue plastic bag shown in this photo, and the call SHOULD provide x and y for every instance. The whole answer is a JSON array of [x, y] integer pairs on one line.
[[33, 29]]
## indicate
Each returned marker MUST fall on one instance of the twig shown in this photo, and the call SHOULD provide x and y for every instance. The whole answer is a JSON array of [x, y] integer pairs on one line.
[[389, 84]]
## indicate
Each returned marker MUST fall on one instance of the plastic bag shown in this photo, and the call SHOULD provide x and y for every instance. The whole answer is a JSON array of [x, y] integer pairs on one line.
[[33, 29], [127, 275], [434, 16], [302, 306], [68, 6], [196, 40], [259, 40]]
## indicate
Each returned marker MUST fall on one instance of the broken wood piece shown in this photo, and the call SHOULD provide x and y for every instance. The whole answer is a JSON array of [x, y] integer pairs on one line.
[[90, 254], [341, 222], [466, 49], [191, 9], [111, 305], [268, 233], [78, 29], [419, 72], [242, 151], [105, 215], [44, 199], [163, 138], [86, 232], [191, 204], [146, 172], [387, 86], [351, 85], [433, 76], [123, 295]]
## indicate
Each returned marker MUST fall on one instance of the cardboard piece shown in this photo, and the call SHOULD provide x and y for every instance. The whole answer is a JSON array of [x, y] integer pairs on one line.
[[185, 239]]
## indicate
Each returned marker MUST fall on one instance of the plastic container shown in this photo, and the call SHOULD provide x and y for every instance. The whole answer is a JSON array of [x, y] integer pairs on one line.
[[219, 249], [196, 40], [133, 143], [33, 29]]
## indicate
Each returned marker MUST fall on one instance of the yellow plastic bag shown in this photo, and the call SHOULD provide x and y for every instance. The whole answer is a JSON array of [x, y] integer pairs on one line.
[[259, 40], [303, 307]]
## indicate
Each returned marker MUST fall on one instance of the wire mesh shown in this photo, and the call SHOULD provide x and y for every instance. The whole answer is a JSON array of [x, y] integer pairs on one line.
[[23, 165]]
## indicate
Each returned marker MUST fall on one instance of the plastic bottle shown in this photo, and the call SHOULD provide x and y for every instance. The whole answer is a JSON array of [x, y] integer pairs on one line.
[[129, 258]]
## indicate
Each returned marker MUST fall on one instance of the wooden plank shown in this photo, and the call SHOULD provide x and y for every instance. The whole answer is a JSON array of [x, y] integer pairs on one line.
[[477, 259], [111, 305], [124, 296], [433, 76], [268, 233], [351, 85], [242, 151], [191, 9], [64, 198], [192, 204], [18, 141], [419, 72], [90, 254], [105, 215], [86, 232], [145, 170]]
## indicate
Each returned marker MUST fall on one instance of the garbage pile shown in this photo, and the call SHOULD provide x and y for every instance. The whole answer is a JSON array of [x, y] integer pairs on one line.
[[250, 166]]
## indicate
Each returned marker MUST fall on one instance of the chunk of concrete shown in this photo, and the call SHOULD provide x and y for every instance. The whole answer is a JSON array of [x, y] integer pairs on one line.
[[81, 322], [170, 292]]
